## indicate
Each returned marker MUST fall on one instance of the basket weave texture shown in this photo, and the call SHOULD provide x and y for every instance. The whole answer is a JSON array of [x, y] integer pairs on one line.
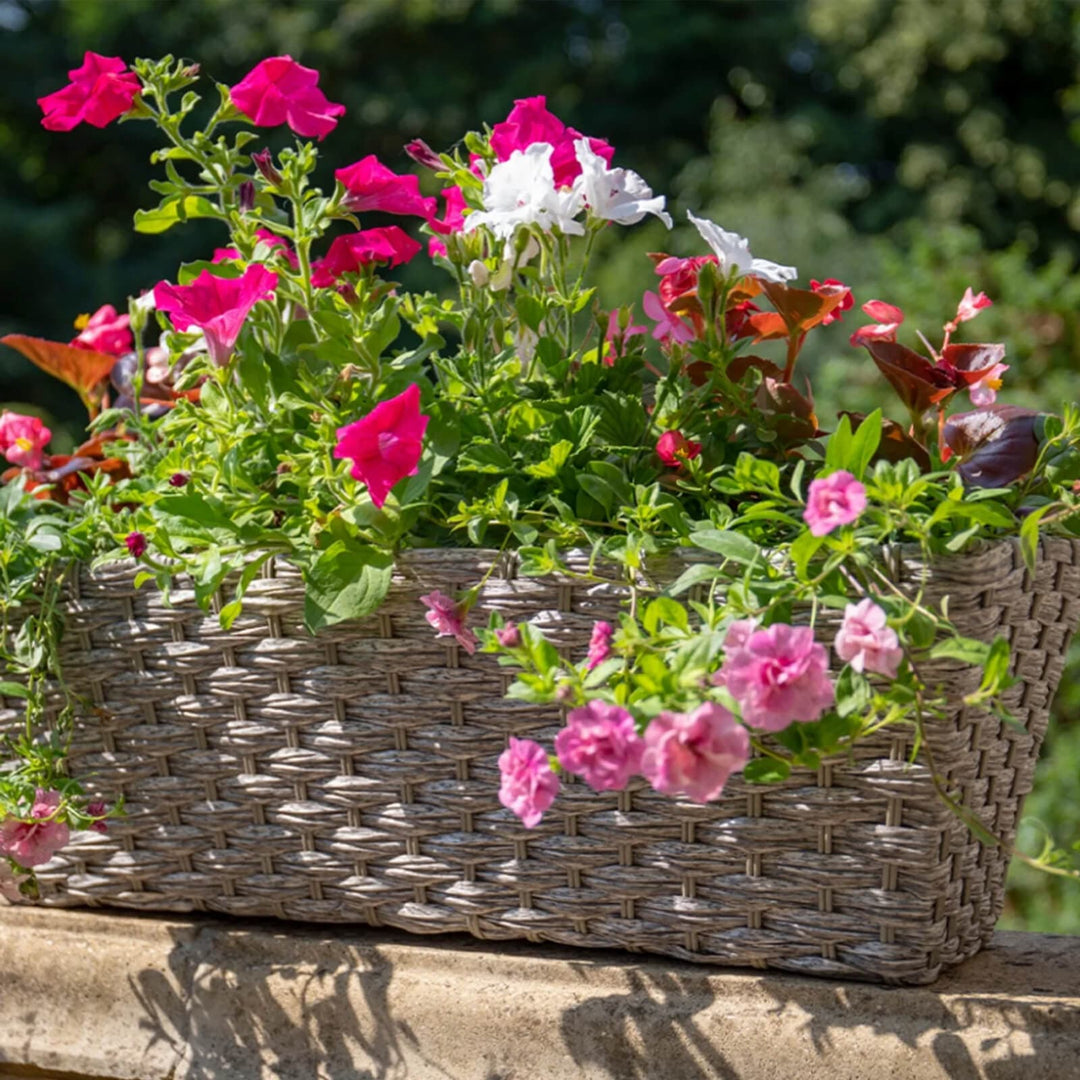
[[353, 778]]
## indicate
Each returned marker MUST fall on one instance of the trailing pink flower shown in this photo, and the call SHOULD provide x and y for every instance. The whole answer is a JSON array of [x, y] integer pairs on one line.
[[36, 841], [600, 743], [105, 332], [100, 90], [267, 239], [353, 252], [530, 122], [674, 449], [215, 305], [373, 186], [599, 644], [385, 445], [135, 542], [278, 90], [888, 319], [866, 641], [447, 618], [528, 785], [778, 676], [693, 754], [23, 439], [837, 499]]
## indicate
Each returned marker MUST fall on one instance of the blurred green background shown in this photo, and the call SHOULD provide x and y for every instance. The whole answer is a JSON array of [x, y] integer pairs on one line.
[[907, 148]]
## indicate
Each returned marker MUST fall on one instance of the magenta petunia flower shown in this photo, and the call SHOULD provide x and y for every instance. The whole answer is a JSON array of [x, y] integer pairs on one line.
[[278, 90], [528, 785], [866, 641], [36, 841], [372, 186], [452, 220], [349, 254], [836, 500], [99, 91], [447, 618], [778, 676], [23, 439], [600, 743], [217, 306], [693, 754], [105, 331], [530, 122], [385, 445]]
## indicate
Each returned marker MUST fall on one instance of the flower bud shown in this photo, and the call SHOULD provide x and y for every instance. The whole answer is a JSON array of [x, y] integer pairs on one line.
[[479, 274], [245, 196], [422, 154], [262, 162]]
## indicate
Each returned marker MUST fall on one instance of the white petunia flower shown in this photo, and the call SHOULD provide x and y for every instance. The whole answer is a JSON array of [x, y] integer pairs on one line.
[[618, 195], [521, 191], [733, 251]]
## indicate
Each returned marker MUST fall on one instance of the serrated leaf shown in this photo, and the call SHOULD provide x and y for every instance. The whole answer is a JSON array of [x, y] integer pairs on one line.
[[347, 581]]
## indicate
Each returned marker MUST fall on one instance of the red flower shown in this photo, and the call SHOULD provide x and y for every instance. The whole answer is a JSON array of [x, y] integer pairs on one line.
[[385, 445], [830, 287], [103, 332], [136, 544], [217, 306], [99, 91], [888, 322], [372, 186], [278, 90], [349, 254], [673, 448]]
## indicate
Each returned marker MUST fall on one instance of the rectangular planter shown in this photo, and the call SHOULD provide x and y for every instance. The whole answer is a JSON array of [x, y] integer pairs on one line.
[[352, 778]]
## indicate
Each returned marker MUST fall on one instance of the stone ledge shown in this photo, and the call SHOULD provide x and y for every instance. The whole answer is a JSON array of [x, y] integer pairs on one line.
[[87, 994]]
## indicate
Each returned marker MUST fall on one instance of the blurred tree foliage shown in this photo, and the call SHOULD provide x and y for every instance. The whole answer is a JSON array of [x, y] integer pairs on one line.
[[911, 147]]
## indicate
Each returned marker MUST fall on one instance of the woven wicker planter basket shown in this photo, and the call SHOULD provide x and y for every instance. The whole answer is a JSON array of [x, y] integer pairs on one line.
[[352, 778]]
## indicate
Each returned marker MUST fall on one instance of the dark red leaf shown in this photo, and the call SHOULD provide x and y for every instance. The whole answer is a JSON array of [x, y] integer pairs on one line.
[[920, 383], [996, 444]]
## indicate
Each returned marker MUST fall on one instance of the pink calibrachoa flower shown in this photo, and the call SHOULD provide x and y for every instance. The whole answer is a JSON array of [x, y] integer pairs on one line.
[[528, 785], [599, 644], [600, 743], [447, 618], [278, 90], [105, 331], [673, 448], [351, 253], [23, 439], [36, 841], [452, 220], [778, 675], [136, 544], [866, 641], [837, 499], [99, 91], [385, 445], [372, 186], [888, 319], [693, 754], [830, 287], [530, 122], [217, 306]]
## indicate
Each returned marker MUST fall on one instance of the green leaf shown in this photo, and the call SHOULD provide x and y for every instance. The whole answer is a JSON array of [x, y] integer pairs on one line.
[[664, 610], [347, 581], [698, 574], [1029, 536], [556, 459], [864, 444], [804, 548], [14, 689], [766, 770], [731, 545], [485, 457], [838, 452], [967, 650], [173, 210]]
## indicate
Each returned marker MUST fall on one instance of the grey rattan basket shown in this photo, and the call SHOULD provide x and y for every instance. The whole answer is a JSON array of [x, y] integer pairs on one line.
[[352, 778]]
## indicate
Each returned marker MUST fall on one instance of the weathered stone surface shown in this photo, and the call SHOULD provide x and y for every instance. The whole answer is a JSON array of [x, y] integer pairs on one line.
[[107, 995]]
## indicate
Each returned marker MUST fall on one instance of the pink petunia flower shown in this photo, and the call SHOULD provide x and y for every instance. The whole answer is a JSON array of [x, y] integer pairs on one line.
[[599, 644], [836, 500], [23, 439], [693, 754], [36, 841], [278, 90], [528, 785], [600, 743], [447, 618], [217, 306], [452, 220], [866, 641], [778, 676], [372, 186], [888, 322], [530, 122], [349, 254], [674, 449], [105, 331], [99, 91], [385, 445]]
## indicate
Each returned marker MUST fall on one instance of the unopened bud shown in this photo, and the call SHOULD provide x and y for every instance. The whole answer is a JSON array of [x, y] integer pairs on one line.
[[262, 162], [479, 274], [422, 154], [245, 196]]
